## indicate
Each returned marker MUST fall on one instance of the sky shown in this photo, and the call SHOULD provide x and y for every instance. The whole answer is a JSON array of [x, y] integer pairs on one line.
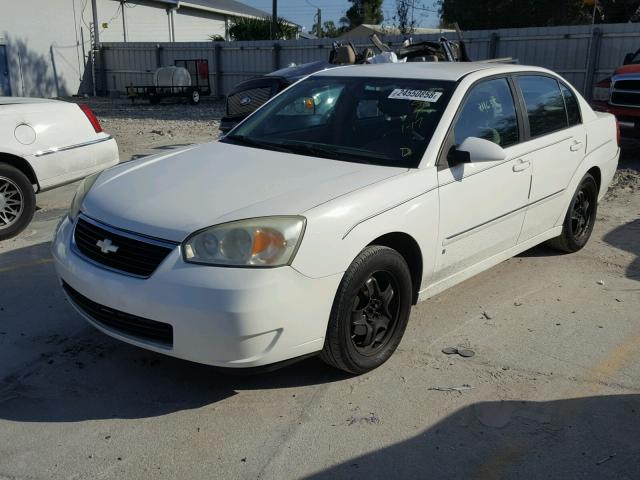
[[303, 11]]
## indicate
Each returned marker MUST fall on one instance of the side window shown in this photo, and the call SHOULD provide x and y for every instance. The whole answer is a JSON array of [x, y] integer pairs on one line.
[[544, 102], [488, 112], [571, 102]]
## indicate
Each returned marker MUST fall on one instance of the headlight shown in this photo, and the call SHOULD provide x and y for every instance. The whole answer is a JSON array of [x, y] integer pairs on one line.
[[256, 242], [82, 191], [601, 94]]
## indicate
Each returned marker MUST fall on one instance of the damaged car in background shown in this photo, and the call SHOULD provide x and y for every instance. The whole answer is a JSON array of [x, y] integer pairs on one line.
[[247, 96]]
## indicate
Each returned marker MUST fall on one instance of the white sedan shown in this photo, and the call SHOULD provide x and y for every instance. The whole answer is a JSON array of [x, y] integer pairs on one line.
[[317, 223], [45, 144]]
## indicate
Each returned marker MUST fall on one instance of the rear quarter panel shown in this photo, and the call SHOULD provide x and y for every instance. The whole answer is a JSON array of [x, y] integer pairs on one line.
[[55, 124]]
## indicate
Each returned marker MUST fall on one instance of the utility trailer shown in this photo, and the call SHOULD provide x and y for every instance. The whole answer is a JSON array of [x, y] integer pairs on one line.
[[186, 78]]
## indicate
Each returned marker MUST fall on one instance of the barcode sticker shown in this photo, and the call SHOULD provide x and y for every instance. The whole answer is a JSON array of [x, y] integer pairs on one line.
[[420, 95]]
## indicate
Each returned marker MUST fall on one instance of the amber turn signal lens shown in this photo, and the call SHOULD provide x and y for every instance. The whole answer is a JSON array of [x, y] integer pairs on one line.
[[263, 239]]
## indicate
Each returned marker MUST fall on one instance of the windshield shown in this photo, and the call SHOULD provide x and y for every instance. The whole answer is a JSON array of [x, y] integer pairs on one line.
[[383, 121]]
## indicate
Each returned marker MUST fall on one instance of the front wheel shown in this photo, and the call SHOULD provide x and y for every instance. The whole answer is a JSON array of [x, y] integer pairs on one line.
[[370, 311], [17, 201], [580, 217]]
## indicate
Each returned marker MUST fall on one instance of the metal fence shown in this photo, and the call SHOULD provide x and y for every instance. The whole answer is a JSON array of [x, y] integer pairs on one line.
[[582, 54]]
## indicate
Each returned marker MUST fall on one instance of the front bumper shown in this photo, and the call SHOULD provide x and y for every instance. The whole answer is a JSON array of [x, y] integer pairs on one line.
[[628, 117], [227, 317]]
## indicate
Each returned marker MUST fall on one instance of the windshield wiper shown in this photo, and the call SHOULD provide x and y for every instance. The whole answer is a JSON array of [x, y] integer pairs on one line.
[[252, 142], [335, 152]]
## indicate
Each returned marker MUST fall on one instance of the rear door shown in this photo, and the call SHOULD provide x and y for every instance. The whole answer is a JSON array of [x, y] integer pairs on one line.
[[482, 205], [557, 141]]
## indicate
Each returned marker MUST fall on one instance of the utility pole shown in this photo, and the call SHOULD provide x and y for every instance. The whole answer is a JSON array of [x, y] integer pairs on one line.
[[274, 20], [124, 20], [96, 34], [319, 23]]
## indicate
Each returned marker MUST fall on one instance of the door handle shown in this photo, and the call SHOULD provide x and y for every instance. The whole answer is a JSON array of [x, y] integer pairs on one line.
[[575, 146], [521, 165]]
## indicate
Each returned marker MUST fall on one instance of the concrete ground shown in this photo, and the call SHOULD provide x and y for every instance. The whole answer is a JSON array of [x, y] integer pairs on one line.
[[555, 382]]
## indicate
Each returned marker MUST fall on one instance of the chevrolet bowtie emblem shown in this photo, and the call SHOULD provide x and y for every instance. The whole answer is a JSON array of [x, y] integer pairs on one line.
[[106, 246]]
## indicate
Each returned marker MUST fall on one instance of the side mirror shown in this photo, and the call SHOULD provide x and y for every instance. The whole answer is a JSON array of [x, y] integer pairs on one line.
[[474, 149], [628, 58]]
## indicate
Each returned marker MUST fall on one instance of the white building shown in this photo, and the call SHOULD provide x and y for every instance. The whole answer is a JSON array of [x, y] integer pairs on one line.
[[45, 44]]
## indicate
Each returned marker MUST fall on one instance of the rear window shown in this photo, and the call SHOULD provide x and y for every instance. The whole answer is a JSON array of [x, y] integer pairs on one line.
[[544, 103], [571, 102]]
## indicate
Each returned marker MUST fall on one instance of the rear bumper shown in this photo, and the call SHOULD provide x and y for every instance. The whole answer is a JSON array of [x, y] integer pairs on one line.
[[69, 165]]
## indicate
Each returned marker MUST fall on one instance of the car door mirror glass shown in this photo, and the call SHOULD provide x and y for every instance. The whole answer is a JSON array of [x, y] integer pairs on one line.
[[474, 149]]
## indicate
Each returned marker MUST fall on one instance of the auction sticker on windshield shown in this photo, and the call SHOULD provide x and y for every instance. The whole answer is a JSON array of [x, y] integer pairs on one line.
[[421, 95]]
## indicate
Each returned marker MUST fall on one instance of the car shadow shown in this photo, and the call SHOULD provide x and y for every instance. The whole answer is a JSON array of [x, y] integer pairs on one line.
[[627, 237], [589, 437], [54, 367]]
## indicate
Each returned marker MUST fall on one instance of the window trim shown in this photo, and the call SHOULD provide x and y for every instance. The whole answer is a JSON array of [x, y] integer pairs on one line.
[[580, 122], [524, 106], [441, 160]]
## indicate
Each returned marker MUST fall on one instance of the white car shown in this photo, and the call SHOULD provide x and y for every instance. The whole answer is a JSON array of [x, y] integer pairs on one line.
[[318, 221], [45, 144]]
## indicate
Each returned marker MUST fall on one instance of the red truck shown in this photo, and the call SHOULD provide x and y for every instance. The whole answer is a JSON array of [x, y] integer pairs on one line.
[[620, 95]]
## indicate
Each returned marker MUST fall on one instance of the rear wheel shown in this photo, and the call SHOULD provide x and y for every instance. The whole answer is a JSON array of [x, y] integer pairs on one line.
[[370, 311], [17, 201], [580, 218]]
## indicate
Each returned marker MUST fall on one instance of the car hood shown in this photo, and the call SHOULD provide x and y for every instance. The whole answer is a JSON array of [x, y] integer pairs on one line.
[[634, 68], [172, 195]]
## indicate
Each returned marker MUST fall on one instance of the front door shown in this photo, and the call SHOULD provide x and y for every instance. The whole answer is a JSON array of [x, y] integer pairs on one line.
[[482, 205], [5, 85]]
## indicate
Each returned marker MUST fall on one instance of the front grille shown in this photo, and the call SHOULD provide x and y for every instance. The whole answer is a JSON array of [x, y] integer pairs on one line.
[[627, 85], [258, 97], [625, 92], [121, 322], [136, 256], [629, 99]]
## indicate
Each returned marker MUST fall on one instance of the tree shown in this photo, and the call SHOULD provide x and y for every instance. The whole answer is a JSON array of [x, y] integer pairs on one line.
[[243, 28], [491, 14], [617, 11], [363, 11], [403, 19], [329, 29]]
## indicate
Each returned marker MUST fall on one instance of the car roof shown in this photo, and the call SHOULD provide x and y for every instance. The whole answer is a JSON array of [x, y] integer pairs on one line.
[[452, 71]]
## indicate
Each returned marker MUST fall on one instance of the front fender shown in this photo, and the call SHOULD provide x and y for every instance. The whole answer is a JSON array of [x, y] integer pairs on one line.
[[338, 230]]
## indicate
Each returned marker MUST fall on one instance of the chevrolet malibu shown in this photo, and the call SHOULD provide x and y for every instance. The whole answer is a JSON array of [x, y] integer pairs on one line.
[[315, 224]]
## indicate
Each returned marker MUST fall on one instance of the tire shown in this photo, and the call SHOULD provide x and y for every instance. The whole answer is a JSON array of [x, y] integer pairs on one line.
[[194, 97], [17, 201], [357, 340], [580, 218]]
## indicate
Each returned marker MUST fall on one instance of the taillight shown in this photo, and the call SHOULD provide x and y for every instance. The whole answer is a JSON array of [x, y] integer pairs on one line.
[[95, 123], [618, 136]]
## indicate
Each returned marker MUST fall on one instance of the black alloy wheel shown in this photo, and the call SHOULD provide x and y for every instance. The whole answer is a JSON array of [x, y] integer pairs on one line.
[[580, 218], [370, 311], [375, 313]]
